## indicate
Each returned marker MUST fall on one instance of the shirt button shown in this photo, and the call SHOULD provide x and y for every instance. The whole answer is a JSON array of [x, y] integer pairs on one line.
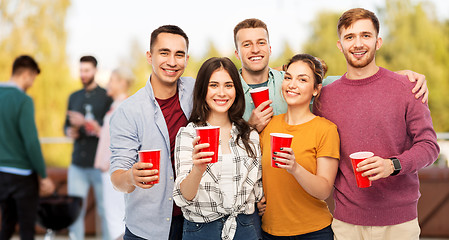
[[168, 219], [169, 198], [171, 177]]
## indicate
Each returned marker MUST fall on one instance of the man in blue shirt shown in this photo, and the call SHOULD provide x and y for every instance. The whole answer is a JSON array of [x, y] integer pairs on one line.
[[150, 119]]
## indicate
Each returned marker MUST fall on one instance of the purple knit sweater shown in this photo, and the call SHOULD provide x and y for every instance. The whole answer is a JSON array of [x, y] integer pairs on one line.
[[381, 115]]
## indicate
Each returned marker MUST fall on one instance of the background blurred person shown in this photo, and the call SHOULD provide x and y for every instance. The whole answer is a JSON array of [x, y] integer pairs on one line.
[[114, 203], [218, 199], [86, 106], [297, 210], [22, 166]]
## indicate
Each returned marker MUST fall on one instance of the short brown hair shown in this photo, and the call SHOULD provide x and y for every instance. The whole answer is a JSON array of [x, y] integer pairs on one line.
[[248, 23], [173, 29], [351, 16], [25, 62], [90, 59]]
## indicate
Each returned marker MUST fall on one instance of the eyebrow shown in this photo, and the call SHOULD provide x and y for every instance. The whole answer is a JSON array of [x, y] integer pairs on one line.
[[168, 50], [367, 32], [302, 75], [212, 81]]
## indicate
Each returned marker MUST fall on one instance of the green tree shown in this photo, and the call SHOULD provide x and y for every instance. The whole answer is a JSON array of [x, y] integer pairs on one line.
[[37, 28], [282, 59], [417, 40], [138, 64], [413, 39], [323, 42]]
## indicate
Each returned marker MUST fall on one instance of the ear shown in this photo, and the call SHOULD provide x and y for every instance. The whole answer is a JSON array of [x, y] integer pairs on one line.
[[270, 50], [149, 60], [317, 90], [236, 53], [339, 46], [187, 59], [379, 43]]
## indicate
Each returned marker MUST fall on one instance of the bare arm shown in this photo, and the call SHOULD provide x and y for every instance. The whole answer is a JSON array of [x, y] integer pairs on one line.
[[319, 185]]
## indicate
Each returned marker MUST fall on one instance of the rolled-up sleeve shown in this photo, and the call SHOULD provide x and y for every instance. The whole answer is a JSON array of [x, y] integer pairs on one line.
[[125, 143]]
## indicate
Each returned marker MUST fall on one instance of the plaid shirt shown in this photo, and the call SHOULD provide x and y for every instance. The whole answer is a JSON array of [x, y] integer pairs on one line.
[[207, 206]]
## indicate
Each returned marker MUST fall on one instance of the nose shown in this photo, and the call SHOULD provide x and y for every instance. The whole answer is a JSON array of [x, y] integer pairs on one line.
[[171, 61], [292, 84], [221, 91], [358, 41], [255, 48]]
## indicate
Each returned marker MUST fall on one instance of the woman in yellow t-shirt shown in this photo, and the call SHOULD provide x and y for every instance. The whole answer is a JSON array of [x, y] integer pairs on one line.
[[295, 192]]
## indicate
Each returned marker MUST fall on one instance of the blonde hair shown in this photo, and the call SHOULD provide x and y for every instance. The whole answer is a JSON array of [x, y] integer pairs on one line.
[[125, 74]]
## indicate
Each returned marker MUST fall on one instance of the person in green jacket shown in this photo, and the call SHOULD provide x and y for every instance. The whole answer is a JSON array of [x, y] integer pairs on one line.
[[22, 166]]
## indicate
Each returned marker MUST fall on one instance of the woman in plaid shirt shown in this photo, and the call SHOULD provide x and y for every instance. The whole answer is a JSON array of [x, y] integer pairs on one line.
[[218, 199]]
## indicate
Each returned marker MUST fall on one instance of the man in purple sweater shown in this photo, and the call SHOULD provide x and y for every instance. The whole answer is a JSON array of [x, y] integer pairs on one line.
[[374, 111]]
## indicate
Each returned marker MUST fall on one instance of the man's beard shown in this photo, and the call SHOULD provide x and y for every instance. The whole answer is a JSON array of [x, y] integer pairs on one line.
[[359, 64], [90, 81]]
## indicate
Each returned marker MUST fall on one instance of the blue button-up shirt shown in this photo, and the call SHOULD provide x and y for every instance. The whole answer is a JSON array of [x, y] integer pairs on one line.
[[138, 124]]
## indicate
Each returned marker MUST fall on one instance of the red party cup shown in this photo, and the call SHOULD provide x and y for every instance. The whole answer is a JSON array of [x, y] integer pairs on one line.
[[278, 141], [211, 135], [154, 157], [356, 158], [260, 95]]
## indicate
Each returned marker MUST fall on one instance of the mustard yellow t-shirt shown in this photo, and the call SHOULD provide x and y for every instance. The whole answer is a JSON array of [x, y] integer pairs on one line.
[[290, 209]]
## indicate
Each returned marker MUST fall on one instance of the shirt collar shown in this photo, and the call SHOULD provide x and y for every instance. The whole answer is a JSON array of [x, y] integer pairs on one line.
[[150, 92], [11, 84], [245, 86]]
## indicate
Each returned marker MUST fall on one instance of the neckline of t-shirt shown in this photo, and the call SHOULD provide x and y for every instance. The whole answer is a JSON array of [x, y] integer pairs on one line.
[[298, 125]]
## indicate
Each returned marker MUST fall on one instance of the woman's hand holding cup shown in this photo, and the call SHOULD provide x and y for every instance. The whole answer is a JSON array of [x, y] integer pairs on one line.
[[200, 159], [287, 158]]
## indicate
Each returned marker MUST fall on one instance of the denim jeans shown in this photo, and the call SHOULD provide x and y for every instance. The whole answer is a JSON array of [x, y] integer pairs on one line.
[[246, 229], [79, 180], [175, 230], [323, 234]]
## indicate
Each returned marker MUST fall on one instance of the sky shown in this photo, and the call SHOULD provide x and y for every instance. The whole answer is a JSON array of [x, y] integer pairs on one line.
[[106, 28]]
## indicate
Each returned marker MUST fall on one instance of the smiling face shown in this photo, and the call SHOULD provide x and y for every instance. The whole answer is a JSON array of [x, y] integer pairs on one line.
[[253, 49], [359, 43], [298, 85], [220, 92], [168, 58]]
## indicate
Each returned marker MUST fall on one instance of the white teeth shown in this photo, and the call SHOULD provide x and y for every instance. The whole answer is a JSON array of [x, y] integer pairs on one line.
[[221, 101], [360, 53], [170, 71], [255, 58]]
